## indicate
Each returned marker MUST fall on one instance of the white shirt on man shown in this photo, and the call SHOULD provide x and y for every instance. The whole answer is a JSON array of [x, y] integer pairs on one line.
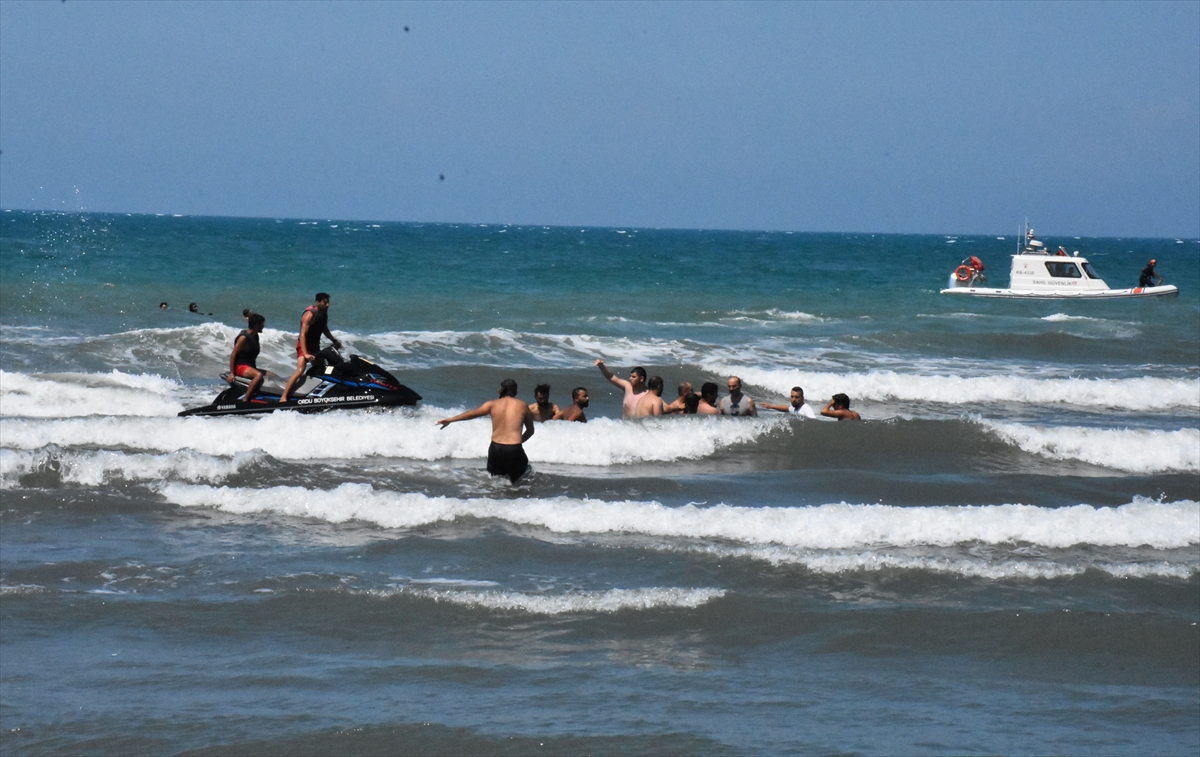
[[804, 411]]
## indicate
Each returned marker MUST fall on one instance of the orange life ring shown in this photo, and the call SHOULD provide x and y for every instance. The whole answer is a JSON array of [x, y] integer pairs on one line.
[[963, 273]]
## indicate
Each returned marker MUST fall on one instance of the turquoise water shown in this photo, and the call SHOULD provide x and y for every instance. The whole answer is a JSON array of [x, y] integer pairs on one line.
[[1003, 557]]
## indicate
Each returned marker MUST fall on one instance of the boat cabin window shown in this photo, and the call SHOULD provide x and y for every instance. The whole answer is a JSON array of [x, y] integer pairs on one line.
[[1091, 272], [1064, 270]]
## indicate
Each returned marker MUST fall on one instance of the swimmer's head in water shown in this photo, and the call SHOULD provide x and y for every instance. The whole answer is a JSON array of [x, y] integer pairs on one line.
[[709, 392], [162, 306], [797, 396], [841, 400], [541, 392], [193, 308], [655, 384], [735, 384], [691, 401], [579, 396], [685, 388], [638, 374], [508, 388]]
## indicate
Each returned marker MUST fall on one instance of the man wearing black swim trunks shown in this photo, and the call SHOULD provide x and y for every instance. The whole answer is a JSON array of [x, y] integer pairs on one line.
[[506, 456]]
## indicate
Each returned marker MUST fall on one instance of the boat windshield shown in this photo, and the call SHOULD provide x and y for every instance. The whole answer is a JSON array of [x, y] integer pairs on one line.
[[1091, 272], [1064, 270]]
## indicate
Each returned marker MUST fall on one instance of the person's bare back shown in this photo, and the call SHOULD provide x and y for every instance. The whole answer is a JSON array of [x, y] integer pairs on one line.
[[512, 425], [509, 416], [650, 402]]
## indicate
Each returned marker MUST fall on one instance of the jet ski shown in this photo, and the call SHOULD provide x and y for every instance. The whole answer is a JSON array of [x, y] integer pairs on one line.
[[331, 383]]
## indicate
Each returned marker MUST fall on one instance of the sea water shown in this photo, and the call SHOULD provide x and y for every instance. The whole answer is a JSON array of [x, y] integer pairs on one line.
[[1003, 557]]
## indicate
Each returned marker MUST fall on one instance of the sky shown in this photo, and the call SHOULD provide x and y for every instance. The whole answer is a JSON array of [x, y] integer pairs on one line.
[[957, 117]]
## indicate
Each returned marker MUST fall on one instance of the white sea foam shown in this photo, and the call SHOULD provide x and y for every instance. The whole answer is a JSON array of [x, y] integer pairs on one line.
[[775, 314], [1161, 525], [1121, 394], [84, 394], [1132, 450], [613, 600], [407, 434], [96, 467], [834, 562], [1059, 317]]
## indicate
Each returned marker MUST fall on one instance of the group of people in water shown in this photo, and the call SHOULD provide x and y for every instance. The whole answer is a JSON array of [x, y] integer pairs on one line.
[[512, 418]]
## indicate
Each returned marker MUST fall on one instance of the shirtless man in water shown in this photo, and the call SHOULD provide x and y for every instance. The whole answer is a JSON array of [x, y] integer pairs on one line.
[[542, 408], [574, 411], [634, 388], [708, 400], [839, 407], [506, 456], [651, 402]]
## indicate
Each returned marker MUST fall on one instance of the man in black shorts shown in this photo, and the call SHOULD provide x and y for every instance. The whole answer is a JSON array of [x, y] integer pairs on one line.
[[506, 456]]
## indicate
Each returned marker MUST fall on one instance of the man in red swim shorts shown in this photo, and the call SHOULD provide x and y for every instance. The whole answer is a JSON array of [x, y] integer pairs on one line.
[[313, 323]]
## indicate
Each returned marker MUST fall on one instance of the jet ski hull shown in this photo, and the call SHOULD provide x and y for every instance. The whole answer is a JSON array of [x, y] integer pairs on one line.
[[356, 383]]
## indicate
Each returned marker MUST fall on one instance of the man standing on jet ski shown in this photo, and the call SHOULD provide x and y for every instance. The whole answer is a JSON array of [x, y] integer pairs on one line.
[[313, 323]]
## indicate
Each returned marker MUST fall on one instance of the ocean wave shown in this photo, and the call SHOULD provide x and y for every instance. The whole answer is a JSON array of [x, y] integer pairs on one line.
[[1130, 450], [86, 394], [775, 314], [1001, 568], [592, 602], [964, 391], [97, 467], [1141, 523], [603, 442], [411, 434], [1061, 317]]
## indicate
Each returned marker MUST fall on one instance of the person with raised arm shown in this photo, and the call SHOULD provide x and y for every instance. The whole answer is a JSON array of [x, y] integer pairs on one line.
[[839, 407], [797, 408], [634, 388], [506, 455], [680, 403]]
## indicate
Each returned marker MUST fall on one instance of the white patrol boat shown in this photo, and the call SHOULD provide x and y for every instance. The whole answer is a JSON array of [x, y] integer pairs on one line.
[[1039, 274]]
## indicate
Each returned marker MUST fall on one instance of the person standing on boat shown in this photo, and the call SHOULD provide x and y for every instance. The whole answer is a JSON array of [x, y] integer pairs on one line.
[[313, 323], [1149, 276]]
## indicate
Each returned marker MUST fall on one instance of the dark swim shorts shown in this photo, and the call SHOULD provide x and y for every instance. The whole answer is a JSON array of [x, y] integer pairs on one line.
[[507, 460]]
